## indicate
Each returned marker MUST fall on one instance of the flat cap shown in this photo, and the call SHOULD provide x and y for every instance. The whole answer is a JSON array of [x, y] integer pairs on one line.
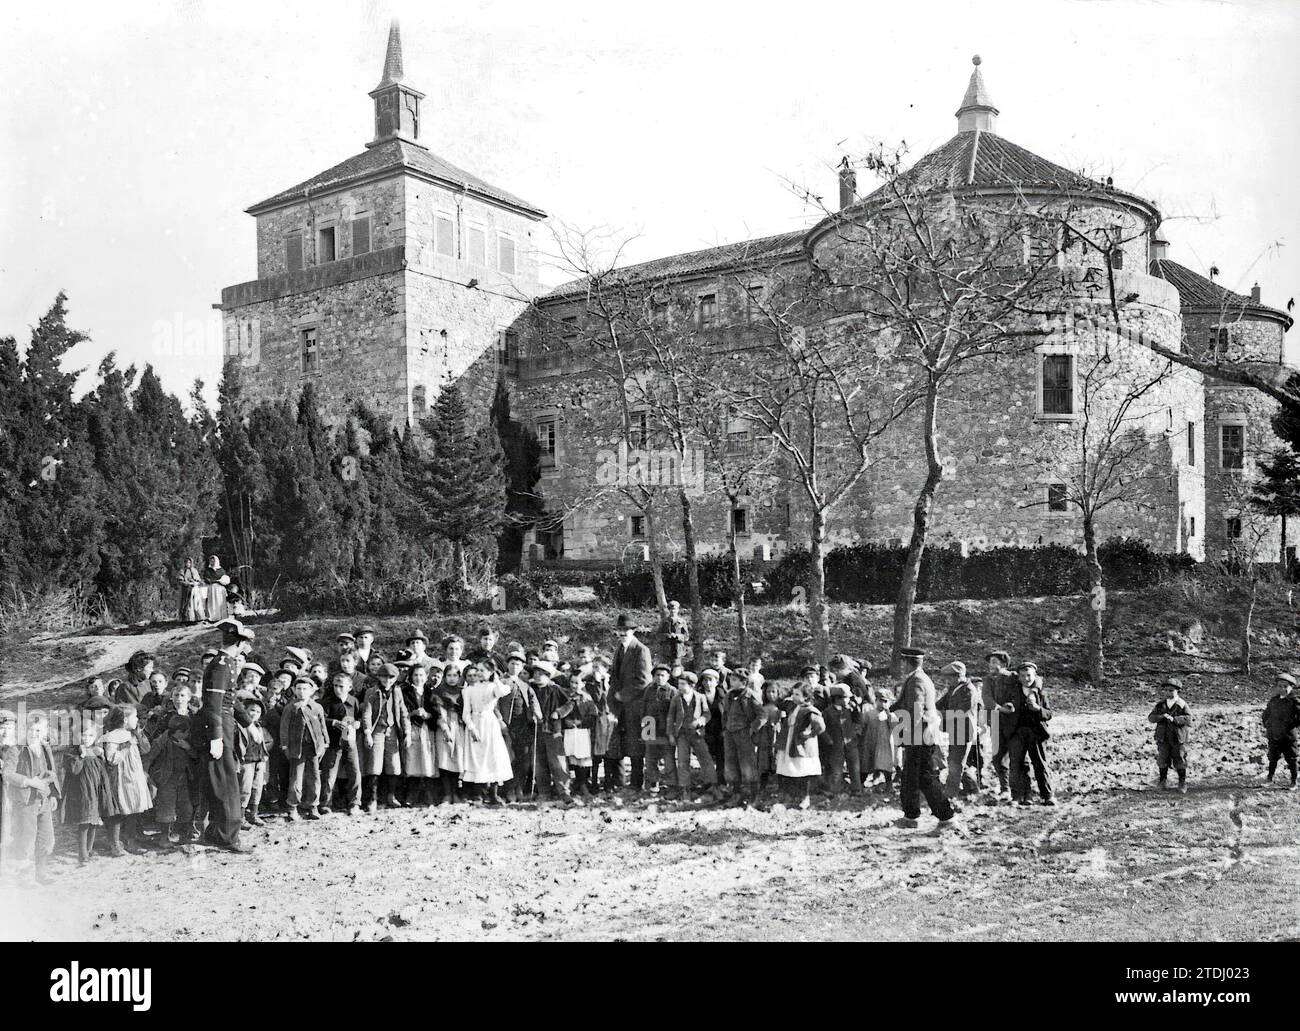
[[387, 670], [1287, 678], [955, 667], [912, 653], [542, 666]]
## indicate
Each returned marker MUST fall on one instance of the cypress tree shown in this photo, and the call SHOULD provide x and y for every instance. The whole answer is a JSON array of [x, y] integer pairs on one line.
[[462, 487]]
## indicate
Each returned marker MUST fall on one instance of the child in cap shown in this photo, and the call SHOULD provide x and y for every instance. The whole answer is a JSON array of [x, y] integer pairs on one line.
[[253, 747], [1173, 720], [385, 727], [303, 738], [656, 701], [688, 715], [342, 756]]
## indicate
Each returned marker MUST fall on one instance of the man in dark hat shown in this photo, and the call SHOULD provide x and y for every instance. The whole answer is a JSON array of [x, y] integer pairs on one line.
[[629, 676], [1028, 744], [922, 757], [214, 724], [999, 693], [1281, 726]]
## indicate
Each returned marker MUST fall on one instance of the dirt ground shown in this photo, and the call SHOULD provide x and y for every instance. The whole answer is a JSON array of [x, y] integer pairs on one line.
[[1116, 860]]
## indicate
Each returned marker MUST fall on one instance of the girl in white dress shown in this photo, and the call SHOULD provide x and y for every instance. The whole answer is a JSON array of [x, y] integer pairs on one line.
[[798, 759], [484, 756]]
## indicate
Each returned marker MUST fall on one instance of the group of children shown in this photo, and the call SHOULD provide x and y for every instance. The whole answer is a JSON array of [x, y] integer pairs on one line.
[[365, 729]]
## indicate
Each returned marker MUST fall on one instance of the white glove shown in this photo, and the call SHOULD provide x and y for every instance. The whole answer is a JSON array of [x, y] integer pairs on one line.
[[216, 747]]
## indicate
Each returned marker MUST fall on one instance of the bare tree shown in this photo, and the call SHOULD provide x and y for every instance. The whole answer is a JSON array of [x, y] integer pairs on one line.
[[810, 387]]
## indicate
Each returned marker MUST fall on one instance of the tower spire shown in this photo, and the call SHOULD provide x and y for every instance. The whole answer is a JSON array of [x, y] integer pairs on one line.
[[977, 112], [392, 56], [397, 105]]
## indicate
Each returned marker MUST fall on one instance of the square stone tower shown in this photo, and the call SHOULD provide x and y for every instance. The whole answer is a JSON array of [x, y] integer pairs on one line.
[[384, 277]]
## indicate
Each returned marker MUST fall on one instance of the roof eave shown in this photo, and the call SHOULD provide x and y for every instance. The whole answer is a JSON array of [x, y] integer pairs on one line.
[[273, 204]]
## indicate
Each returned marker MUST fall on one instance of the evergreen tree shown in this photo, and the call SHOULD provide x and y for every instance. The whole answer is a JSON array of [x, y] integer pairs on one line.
[[242, 483], [56, 513], [462, 487], [1277, 491], [523, 470]]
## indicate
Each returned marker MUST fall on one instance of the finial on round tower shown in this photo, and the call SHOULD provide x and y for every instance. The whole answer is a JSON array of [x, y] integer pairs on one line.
[[977, 112]]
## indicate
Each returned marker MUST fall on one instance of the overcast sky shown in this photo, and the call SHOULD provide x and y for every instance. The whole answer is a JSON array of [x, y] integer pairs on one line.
[[133, 136]]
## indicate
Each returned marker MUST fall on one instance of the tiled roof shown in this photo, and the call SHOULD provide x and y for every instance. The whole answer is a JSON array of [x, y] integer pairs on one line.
[[1197, 292], [761, 251], [977, 94], [393, 156], [986, 159]]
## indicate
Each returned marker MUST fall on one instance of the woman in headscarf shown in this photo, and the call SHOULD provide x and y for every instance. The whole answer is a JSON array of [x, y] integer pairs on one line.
[[217, 580], [193, 596]]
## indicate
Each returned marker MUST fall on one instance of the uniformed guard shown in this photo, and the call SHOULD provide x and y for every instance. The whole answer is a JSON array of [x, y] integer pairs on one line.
[[215, 723], [922, 756]]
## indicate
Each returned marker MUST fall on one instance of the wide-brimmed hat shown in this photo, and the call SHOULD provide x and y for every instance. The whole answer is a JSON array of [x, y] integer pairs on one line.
[[232, 627], [543, 666]]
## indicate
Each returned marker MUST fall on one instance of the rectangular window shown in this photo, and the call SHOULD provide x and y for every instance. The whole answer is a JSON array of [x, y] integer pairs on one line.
[[1191, 527], [1232, 446], [1058, 384], [1219, 340], [506, 255], [1191, 443], [325, 245], [361, 234], [740, 520], [546, 438], [444, 234], [310, 351], [1056, 497], [1117, 257], [636, 524], [1232, 528], [708, 311], [476, 246], [639, 430], [1040, 247], [754, 303], [293, 252]]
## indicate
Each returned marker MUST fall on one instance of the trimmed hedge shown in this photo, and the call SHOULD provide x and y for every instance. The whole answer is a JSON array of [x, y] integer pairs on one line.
[[870, 574], [632, 587]]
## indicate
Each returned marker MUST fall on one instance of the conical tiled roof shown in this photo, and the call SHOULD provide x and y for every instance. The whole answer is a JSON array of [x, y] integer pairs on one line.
[[1204, 296], [392, 57], [977, 94]]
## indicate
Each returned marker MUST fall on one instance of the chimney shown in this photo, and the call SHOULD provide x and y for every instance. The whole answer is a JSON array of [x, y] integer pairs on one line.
[[1159, 247], [848, 184], [1254, 293]]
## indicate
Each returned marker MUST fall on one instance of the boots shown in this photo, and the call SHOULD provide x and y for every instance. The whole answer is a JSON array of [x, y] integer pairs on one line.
[[390, 793], [115, 848], [368, 788]]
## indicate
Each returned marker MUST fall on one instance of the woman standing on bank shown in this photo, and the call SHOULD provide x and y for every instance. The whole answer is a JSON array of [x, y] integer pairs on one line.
[[215, 577], [193, 602]]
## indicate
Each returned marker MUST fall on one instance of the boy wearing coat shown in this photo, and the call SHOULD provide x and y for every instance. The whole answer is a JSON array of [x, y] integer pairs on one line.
[[742, 715], [655, 703], [1173, 719], [385, 726], [688, 715], [1281, 725], [303, 737]]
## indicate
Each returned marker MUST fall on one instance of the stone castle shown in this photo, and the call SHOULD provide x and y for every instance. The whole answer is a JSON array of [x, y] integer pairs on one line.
[[394, 273]]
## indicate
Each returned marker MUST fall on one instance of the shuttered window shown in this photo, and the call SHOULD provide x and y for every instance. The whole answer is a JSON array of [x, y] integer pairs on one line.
[[361, 234]]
